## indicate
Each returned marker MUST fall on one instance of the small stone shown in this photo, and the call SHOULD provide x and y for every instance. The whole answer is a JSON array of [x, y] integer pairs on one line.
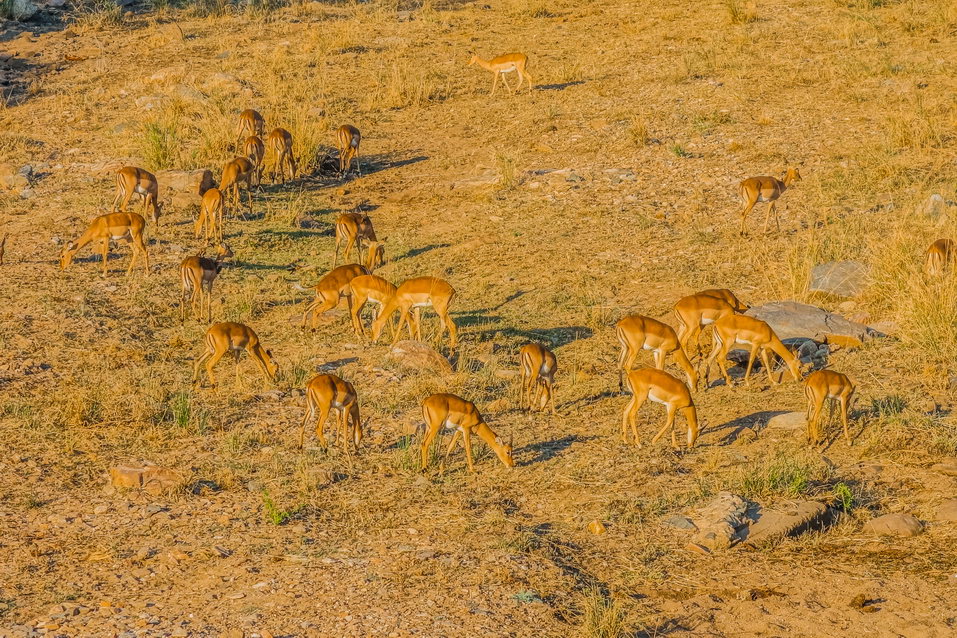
[[596, 527], [894, 525], [697, 549], [680, 522], [101, 509]]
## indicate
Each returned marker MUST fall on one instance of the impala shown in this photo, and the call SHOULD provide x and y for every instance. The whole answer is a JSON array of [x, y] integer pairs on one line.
[[375, 255], [637, 332], [352, 228], [113, 226], [280, 143], [233, 338], [326, 393], [539, 366], [940, 257], [765, 189], [348, 138], [250, 123], [819, 387], [131, 180], [255, 151], [210, 220], [331, 289], [454, 413], [695, 311], [503, 64], [369, 289], [409, 299], [745, 330], [238, 171], [726, 296], [660, 387], [197, 274]]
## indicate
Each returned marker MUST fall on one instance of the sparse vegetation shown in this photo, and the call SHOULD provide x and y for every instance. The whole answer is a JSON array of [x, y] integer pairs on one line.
[[602, 616]]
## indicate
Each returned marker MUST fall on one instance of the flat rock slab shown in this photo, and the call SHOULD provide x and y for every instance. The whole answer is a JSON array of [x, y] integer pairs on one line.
[[188, 182], [839, 278], [793, 320], [719, 521], [788, 421], [151, 478], [947, 511], [789, 519], [894, 525], [421, 356]]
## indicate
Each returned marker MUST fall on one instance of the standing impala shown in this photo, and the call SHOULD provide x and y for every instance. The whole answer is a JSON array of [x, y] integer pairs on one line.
[[352, 228], [280, 143], [369, 289], [250, 123], [196, 275], [409, 299], [940, 257], [113, 226], [210, 220], [131, 180], [696, 311], [348, 138], [637, 332], [539, 366], [765, 189], [233, 338], [503, 64], [455, 413], [328, 393], [660, 387], [745, 330], [255, 151], [331, 289], [819, 387], [238, 171]]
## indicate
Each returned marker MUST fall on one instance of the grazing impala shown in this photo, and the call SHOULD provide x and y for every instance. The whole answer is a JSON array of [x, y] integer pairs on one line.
[[940, 257], [539, 366], [745, 330], [233, 338], [765, 189], [255, 150], [210, 220], [409, 299], [280, 143], [250, 123], [331, 289], [695, 311], [454, 413], [352, 228], [197, 274], [726, 296], [637, 332], [660, 387], [369, 289], [113, 226], [328, 393], [503, 64], [375, 255], [348, 138], [131, 180], [238, 171], [818, 388]]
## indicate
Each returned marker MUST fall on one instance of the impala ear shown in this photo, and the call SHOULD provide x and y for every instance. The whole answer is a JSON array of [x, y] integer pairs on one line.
[[269, 352]]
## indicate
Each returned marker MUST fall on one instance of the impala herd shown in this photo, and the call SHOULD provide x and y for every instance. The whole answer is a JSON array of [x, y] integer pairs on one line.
[[717, 309]]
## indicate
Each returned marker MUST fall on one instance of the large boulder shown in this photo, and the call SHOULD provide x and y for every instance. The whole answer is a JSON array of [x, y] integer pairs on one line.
[[894, 525], [420, 356], [22, 10], [792, 320], [191, 182], [719, 522], [839, 278], [788, 519]]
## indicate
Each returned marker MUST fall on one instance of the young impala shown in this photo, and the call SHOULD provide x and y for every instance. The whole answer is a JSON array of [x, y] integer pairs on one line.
[[113, 226], [238, 171], [233, 338], [454, 413], [765, 189], [660, 387], [503, 64], [637, 332], [745, 330], [352, 228], [409, 299], [348, 138], [331, 289], [280, 143], [327, 393], [539, 366], [210, 220], [819, 387], [255, 151], [250, 123], [131, 180], [940, 257], [196, 275], [369, 289], [696, 311]]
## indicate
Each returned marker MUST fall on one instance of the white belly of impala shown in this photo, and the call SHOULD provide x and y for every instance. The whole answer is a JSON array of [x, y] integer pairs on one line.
[[657, 399]]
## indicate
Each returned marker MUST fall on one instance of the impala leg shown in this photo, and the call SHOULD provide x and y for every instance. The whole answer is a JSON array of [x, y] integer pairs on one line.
[[105, 251], [467, 435], [845, 400], [494, 82], [198, 365], [766, 361], [551, 394], [417, 320], [432, 430], [210, 364], [258, 358], [327, 304], [767, 216], [403, 320], [321, 425], [357, 306], [723, 362], [310, 414], [749, 204], [669, 422], [194, 298], [751, 357], [455, 439]]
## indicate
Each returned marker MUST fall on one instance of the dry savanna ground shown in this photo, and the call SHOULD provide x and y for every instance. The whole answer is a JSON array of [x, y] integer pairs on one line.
[[609, 189]]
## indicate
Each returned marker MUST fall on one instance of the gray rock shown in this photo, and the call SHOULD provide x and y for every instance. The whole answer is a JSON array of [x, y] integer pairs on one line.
[[149, 102], [790, 320], [680, 522], [188, 93], [416, 354], [839, 278], [194, 182], [719, 521], [936, 205], [22, 10], [788, 519], [788, 421], [894, 525]]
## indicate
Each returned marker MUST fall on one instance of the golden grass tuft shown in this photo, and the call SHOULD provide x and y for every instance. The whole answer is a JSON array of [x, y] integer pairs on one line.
[[602, 616]]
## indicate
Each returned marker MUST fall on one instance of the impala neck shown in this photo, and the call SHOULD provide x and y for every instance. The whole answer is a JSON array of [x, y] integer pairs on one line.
[[485, 64], [790, 360], [484, 432], [691, 413]]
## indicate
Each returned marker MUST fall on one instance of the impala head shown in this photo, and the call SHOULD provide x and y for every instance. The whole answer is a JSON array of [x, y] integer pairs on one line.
[[793, 175], [377, 326], [473, 59], [376, 254], [223, 251], [271, 366], [503, 451], [66, 256]]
